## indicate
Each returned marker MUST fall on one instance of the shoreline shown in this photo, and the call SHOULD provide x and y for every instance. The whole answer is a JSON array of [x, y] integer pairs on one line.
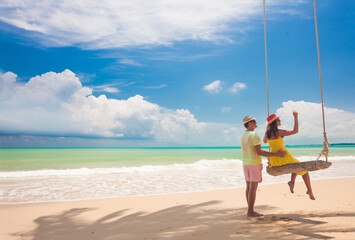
[[164, 194], [213, 214]]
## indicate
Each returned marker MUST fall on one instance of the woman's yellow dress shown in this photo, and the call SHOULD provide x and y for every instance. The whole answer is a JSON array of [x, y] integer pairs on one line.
[[277, 144]]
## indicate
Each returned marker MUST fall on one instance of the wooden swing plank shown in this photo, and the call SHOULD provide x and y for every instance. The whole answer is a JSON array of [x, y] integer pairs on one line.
[[298, 167]]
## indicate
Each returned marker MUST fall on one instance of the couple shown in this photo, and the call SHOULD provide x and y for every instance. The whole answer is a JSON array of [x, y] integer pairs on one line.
[[252, 165]]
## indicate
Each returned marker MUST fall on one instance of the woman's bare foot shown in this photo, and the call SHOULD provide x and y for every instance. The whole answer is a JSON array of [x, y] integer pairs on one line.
[[291, 185], [311, 196], [254, 214]]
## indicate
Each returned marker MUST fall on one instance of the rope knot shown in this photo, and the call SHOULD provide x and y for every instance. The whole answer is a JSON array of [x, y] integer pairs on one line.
[[325, 150]]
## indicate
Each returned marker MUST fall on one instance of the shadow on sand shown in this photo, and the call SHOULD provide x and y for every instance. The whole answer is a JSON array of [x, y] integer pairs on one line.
[[200, 221]]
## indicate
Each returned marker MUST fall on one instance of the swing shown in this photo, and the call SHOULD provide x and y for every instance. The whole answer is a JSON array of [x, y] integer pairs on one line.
[[307, 165]]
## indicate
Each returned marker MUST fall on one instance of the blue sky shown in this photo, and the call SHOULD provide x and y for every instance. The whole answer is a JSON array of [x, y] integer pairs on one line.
[[172, 73]]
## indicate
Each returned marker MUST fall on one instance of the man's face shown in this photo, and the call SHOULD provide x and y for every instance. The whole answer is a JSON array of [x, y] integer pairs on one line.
[[252, 124]]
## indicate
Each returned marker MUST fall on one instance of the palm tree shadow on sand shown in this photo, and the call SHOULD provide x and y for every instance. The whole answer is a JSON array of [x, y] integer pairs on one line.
[[200, 221]]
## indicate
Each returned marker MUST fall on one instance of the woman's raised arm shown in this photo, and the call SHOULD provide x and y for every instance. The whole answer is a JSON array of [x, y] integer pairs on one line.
[[283, 133]]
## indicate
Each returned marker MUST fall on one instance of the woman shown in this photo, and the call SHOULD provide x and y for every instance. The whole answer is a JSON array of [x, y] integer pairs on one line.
[[274, 137]]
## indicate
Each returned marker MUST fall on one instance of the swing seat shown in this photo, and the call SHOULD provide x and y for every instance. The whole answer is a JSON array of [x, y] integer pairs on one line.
[[298, 167]]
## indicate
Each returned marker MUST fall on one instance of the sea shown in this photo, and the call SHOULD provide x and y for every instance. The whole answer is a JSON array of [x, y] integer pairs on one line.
[[29, 175]]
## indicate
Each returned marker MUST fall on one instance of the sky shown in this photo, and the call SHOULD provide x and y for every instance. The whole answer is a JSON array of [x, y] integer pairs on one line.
[[177, 73]]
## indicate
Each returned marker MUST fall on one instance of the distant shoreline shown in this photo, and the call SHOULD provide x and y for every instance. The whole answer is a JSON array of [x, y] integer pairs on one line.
[[226, 147]]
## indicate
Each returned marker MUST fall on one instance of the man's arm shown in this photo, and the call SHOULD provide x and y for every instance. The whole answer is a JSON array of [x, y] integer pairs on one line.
[[260, 152]]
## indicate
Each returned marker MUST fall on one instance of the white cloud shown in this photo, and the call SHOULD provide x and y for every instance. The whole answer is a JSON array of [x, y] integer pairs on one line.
[[226, 109], [216, 87], [109, 23], [56, 104], [111, 90], [232, 130], [105, 88], [237, 87], [340, 125], [130, 62], [213, 87], [156, 87]]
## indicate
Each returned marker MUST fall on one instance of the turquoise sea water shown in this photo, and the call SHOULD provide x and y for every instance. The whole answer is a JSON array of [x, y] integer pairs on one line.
[[58, 174], [25, 159], [63, 158]]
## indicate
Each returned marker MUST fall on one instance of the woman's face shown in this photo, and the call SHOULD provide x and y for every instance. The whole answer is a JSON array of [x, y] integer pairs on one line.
[[278, 122]]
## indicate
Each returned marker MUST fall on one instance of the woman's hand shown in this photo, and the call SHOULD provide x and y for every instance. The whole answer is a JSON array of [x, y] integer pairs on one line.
[[295, 114]]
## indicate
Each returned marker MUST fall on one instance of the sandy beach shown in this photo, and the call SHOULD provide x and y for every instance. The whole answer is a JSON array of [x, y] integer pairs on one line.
[[217, 214]]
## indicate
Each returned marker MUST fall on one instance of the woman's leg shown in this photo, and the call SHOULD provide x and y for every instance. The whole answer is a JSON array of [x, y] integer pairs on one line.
[[307, 181], [291, 183]]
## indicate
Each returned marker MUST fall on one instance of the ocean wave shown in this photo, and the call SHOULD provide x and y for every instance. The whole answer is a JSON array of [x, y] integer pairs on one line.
[[94, 183], [203, 164], [199, 165]]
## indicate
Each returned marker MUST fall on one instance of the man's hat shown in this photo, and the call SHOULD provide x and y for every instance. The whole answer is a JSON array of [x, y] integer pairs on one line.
[[248, 119]]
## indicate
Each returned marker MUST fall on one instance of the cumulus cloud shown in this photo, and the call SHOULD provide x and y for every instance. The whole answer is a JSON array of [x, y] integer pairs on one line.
[[213, 87], [56, 104], [340, 124], [237, 87], [96, 24]]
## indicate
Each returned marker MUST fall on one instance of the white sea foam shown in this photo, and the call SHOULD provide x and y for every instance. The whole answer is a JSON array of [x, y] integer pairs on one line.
[[199, 165], [92, 183]]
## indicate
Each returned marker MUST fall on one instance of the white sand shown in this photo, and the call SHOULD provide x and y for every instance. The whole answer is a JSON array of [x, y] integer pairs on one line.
[[217, 215]]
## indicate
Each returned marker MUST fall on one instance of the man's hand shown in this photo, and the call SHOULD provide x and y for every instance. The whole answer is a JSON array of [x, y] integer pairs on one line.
[[280, 153], [260, 152], [295, 114]]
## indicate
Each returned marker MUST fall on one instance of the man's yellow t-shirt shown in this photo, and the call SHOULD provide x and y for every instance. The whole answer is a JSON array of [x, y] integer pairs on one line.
[[248, 141]]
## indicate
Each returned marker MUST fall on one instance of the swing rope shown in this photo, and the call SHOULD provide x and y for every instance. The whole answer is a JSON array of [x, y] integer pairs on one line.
[[325, 150], [267, 78], [326, 144]]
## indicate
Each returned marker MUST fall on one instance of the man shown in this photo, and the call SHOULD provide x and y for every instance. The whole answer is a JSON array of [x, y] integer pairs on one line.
[[252, 164]]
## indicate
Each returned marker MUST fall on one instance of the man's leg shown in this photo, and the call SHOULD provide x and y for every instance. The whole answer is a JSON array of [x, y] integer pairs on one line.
[[247, 192], [253, 186]]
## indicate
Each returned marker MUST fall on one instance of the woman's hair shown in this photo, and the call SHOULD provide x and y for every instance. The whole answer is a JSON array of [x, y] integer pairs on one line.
[[272, 131]]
